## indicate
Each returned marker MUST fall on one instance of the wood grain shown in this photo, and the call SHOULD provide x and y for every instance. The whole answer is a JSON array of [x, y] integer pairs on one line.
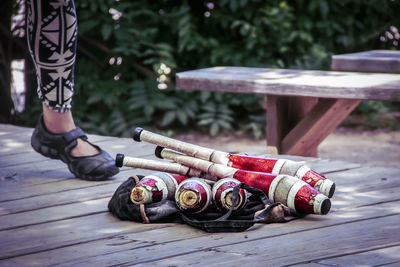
[[60, 220], [386, 61], [384, 256], [258, 245], [323, 118], [285, 82], [311, 244], [283, 114], [275, 123]]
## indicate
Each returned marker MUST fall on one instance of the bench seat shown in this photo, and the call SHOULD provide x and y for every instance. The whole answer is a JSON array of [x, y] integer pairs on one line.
[[284, 82], [303, 106]]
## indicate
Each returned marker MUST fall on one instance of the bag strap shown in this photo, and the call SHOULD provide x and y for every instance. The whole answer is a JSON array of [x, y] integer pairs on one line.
[[222, 224]]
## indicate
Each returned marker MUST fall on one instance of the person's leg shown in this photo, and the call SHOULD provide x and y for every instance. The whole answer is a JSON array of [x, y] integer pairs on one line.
[[52, 40]]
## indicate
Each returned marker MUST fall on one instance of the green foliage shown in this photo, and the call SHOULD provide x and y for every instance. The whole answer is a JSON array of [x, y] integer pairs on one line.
[[129, 49], [380, 114]]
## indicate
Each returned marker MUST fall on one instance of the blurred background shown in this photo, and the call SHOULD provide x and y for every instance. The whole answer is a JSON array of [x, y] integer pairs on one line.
[[129, 52]]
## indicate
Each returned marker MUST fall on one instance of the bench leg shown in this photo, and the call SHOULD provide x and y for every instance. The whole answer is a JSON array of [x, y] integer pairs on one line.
[[297, 125], [276, 113], [321, 121], [282, 116]]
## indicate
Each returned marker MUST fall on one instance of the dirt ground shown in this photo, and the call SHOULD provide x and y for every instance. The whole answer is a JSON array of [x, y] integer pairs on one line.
[[369, 148]]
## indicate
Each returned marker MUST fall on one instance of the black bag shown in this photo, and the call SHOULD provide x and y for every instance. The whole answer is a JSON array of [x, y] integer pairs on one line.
[[257, 209]]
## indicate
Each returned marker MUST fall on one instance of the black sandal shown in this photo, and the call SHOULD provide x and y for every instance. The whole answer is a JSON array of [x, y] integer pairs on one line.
[[58, 146]]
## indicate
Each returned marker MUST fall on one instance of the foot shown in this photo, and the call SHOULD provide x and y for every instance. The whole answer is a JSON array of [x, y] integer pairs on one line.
[[83, 149], [61, 123], [84, 160]]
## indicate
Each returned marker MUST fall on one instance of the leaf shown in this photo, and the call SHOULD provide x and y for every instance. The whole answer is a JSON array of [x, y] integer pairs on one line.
[[206, 121], [168, 118], [225, 117], [86, 26], [224, 124], [190, 112], [204, 96], [182, 117], [94, 98], [148, 110], [234, 5], [214, 129], [106, 31], [165, 103], [209, 107]]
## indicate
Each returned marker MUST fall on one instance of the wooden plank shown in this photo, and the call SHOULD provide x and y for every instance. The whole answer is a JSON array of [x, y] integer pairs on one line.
[[28, 156], [32, 168], [63, 197], [36, 173], [339, 202], [396, 264], [387, 61], [16, 139], [378, 257], [52, 214], [18, 183], [259, 241], [345, 200], [101, 239], [309, 245], [317, 125], [6, 129], [366, 179], [112, 146], [122, 242], [311, 221], [309, 264], [325, 166], [33, 173], [325, 84], [291, 157], [17, 191], [43, 237], [364, 187]]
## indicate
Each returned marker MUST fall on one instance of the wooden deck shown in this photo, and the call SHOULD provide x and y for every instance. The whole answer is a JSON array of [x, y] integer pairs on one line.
[[48, 217]]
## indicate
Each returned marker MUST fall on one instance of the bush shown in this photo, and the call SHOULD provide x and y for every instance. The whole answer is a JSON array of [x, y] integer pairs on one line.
[[129, 52]]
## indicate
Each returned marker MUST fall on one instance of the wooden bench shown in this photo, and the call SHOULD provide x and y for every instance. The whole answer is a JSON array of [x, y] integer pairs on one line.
[[303, 107], [386, 61]]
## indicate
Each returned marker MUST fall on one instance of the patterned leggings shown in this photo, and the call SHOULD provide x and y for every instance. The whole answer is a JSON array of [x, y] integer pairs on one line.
[[52, 40]]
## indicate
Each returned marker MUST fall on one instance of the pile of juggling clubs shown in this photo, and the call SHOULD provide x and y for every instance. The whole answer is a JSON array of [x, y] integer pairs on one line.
[[291, 183], [192, 195]]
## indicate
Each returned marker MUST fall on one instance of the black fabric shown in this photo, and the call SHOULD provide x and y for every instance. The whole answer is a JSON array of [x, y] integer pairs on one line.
[[211, 220], [74, 134], [123, 208]]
